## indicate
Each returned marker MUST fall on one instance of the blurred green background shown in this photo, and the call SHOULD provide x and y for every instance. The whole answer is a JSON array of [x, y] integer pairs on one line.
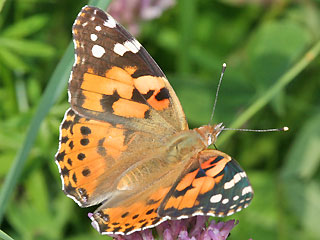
[[272, 80]]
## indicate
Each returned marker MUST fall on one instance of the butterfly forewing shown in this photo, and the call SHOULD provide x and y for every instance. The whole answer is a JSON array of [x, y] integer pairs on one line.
[[114, 79]]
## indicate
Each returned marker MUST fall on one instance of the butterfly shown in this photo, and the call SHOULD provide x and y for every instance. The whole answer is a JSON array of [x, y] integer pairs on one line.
[[125, 142]]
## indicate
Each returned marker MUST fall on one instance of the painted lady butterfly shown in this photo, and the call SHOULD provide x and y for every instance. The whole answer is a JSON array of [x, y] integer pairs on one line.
[[125, 141]]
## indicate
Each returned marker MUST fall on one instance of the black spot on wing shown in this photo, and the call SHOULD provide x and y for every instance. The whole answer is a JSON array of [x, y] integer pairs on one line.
[[85, 130], [65, 171], [81, 156], [116, 229], [71, 145], [64, 139], [129, 229], [148, 94], [84, 141], [201, 173], [70, 161], [137, 96], [125, 214], [149, 211], [162, 94], [108, 100], [177, 193], [66, 124], [60, 156], [86, 172]]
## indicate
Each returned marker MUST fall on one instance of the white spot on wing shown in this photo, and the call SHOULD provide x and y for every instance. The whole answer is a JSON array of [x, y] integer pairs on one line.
[[93, 37], [120, 49], [233, 206], [225, 201], [110, 22], [246, 190], [216, 198], [230, 213], [98, 28], [229, 184], [237, 178], [129, 45], [235, 198], [97, 51]]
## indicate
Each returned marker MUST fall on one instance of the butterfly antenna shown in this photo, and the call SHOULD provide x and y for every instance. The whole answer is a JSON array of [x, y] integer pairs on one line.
[[283, 129], [224, 66]]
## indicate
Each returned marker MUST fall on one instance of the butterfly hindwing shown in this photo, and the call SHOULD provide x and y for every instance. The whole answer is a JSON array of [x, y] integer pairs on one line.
[[215, 185], [127, 212]]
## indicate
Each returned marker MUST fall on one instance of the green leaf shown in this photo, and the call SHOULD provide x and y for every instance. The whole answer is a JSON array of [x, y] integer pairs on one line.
[[12, 61], [37, 191], [270, 52], [25, 27], [303, 159], [2, 4], [27, 47], [5, 236], [312, 208], [259, 220], [268, 95]]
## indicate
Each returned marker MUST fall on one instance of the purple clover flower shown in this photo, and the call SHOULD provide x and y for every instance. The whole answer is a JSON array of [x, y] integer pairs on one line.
[[131, 12], [194, 228]]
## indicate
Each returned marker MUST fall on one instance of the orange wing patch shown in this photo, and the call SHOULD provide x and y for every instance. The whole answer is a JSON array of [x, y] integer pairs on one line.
[[154, 88], [120, 86], [197, 182], [87, 149], [127, 108], [131, 216]]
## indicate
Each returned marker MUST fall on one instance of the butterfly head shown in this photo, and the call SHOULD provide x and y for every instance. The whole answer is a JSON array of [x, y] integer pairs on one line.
[[210, 133]]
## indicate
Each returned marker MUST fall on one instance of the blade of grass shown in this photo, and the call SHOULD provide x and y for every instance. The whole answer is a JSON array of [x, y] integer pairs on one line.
[[284, 80], [53, 90], [4, 236], [2, 4], [187, 14]]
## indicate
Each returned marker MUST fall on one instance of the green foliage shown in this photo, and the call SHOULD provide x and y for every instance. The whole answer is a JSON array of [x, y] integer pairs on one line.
[[272, 80]]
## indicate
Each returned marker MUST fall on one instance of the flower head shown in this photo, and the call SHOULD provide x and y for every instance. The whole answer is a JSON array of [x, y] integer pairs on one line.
[[131, 12], [194, 228]]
